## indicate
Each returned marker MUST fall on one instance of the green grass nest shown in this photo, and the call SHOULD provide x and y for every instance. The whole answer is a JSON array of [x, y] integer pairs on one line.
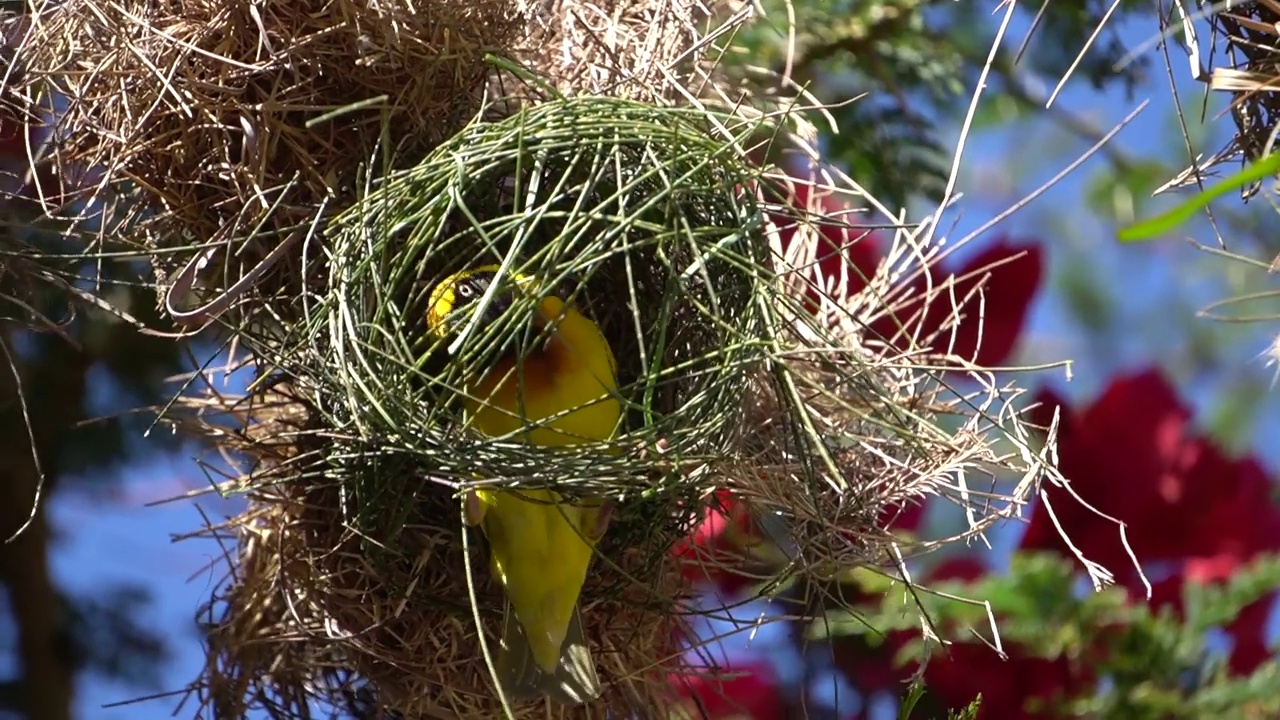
[[639, 216]]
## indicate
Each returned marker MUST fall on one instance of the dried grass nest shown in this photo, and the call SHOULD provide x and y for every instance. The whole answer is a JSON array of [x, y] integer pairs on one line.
[[351, 577], [352, 587], [231, 122], [221, 127]]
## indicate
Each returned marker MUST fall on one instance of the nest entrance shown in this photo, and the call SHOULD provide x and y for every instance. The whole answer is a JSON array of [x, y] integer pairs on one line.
[[635, 214]]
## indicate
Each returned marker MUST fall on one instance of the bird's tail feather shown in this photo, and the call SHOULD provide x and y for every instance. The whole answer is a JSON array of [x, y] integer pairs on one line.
[[574, 681]]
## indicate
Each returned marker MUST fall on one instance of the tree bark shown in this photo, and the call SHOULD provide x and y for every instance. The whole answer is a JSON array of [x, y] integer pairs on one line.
[[53, 385], [46, 674]]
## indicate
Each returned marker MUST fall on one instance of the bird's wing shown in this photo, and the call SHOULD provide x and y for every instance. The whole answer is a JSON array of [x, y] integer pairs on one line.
[[538, 551], [574, 682]]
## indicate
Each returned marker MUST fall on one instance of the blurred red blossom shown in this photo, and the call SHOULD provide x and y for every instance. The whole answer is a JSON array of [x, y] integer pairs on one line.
[[720, 544], [1132, 455], [903, 516], [749, 692], [1250, 648], [1010, 688], [846, 254], [965, 568], [989, 324], [726, 540], [1189, 508]]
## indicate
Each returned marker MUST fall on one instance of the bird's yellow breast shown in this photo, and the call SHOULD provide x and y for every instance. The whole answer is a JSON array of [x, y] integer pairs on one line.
[[553, 541], [560, 393]]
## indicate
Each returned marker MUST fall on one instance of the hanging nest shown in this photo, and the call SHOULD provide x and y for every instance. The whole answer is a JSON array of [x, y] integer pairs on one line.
[[643, 220], [225, 124], [354, 579]]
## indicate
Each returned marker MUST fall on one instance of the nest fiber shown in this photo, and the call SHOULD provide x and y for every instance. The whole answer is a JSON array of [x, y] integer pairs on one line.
[[354, 576], [646, 50], [217, 120], [314, 622], [1248, 67]]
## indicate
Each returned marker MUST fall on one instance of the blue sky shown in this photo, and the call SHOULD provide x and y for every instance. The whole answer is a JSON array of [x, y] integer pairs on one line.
[[129, 541]]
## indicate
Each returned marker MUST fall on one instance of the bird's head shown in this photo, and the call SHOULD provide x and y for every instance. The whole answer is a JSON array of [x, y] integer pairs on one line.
[[457, 298]]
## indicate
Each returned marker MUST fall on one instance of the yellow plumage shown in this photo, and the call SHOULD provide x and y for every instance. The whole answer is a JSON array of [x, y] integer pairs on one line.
[[560, 392]]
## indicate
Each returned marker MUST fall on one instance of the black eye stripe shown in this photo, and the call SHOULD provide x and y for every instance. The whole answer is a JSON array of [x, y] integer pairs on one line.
[[473, 287]]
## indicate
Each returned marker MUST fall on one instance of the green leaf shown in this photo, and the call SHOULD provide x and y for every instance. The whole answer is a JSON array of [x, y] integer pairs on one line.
[[1166, 222], [909, 701]]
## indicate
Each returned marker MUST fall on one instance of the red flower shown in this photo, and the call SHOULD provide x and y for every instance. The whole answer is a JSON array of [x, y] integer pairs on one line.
[[1131, 456], [964, 568], [1249, 637], [743, 693], [846, 256], [903, 516], [987, 324], [727, 540], [1010, 688]]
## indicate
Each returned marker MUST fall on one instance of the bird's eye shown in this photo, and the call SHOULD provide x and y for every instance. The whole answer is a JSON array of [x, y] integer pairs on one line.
[[465, 291]]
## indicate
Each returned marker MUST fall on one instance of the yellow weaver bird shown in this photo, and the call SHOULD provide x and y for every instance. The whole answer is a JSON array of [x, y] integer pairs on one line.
[[559, 392]]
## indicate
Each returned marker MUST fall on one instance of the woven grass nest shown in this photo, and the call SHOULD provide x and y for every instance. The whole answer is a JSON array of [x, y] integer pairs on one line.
[[231, 122], [353, 144], [353, 581], [646, 221]]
